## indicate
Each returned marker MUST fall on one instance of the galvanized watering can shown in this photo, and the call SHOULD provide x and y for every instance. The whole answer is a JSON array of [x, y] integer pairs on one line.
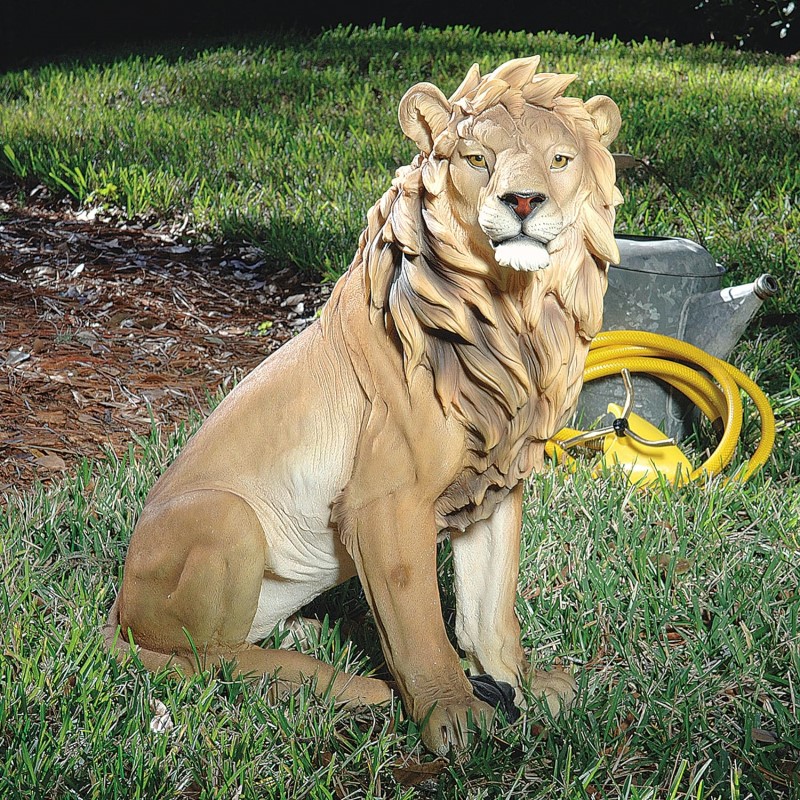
[[671, 286]]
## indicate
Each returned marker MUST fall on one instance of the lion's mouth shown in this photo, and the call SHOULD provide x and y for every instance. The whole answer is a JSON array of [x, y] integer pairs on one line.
[[522, 253]]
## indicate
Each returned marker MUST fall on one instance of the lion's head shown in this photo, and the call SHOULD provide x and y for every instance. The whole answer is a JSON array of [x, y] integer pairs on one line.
[[488, 255], [517, 161]]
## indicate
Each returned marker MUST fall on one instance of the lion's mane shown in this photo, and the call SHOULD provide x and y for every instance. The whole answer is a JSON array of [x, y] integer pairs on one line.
[[506, 349]]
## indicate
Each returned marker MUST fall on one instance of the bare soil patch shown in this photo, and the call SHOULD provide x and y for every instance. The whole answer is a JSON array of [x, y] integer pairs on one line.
[[107, 328]]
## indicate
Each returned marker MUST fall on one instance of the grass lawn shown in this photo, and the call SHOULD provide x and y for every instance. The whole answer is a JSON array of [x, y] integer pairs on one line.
[[677, 608]]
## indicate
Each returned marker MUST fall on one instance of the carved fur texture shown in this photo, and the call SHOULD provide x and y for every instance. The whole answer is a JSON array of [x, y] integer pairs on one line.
[[415, 408]]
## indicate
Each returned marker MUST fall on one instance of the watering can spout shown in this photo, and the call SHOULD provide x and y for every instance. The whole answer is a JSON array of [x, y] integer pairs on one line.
[[765, 286], [715, 321]]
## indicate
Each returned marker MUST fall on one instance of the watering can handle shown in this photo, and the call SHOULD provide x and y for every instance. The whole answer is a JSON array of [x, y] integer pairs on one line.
[[624, 161]]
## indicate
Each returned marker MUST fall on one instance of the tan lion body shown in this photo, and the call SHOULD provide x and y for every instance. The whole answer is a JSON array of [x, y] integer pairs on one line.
[[415, 407]]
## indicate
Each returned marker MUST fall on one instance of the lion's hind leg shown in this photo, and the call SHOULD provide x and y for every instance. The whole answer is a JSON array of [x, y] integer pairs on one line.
[[292, 670], [194, 566], [190, 591]]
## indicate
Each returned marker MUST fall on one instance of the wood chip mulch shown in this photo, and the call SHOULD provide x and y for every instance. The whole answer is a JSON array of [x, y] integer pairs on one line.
[[107, 328]]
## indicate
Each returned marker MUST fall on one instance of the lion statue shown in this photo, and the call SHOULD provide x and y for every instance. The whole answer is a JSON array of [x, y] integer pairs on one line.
[[412, 409]]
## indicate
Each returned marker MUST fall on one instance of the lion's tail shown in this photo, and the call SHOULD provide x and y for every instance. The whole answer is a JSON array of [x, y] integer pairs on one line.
[[111, 632]]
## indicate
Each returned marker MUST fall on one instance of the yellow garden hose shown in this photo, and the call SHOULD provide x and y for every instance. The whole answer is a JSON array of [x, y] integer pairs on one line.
[[711, 384]]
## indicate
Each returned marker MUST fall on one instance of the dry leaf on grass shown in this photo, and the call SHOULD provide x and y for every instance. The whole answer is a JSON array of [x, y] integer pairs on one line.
[[51, 461], [414, 773], [763, 736], [162, 721], [679, 565]]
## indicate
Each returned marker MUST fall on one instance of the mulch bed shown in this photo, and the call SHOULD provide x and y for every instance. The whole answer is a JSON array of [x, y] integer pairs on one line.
[[107, 328]]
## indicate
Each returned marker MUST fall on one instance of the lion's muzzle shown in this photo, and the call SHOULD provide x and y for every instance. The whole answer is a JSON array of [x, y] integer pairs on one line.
[[520, 224]]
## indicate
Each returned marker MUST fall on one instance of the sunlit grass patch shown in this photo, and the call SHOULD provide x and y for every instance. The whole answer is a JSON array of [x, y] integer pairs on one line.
[[288, 142]]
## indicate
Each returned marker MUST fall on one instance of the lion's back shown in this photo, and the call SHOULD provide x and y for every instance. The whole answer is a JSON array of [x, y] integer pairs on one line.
[[284, 438]]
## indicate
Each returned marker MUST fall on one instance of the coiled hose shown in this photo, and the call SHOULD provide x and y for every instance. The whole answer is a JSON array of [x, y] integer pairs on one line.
[[711, 384]]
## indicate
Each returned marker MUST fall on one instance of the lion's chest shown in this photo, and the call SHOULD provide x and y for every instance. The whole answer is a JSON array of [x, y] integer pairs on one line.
[[486, 481], [488, 476]]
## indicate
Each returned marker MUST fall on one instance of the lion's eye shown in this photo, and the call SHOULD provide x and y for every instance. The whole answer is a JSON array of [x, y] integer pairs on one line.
[[477, 160], [559, 161]]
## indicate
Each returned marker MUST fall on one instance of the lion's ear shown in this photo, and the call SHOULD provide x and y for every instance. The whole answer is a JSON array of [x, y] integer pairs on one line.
[[424, 114], [606, 117]]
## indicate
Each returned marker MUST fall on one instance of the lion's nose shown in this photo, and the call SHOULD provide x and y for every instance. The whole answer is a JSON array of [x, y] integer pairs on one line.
[[523, 204]]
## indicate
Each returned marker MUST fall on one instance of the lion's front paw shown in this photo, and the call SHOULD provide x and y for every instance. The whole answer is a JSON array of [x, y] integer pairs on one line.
[[449, 726], [557, 687]]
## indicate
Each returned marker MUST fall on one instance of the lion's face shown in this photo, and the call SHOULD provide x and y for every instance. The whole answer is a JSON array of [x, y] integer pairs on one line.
[[515, 173], [517, 182]]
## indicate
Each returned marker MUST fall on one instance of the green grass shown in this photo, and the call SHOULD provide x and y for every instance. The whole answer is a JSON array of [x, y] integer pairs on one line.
[[678, 609], [288, 142]]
